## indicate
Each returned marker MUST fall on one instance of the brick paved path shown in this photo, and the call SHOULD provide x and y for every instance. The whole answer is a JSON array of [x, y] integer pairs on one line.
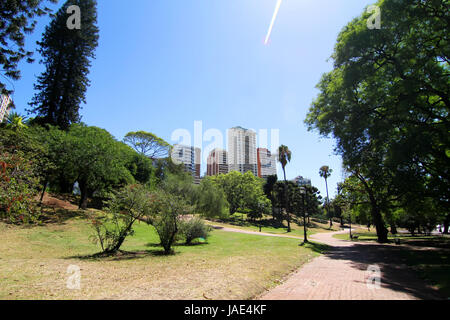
[[341, 275]]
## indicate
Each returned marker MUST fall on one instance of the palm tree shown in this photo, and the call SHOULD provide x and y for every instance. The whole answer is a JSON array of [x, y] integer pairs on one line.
[[15, 121], [284, 156], [325, 172]]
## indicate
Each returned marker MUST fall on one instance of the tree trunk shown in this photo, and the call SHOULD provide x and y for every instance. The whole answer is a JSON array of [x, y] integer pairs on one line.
[[118, 245], [64, 186], [446, 224], [43, 190], [350, 220], [304, 222], [382, 232], [287, 202], [393, 229], [168, 245], [304, 230], [122, 237], [84, 195], [328, 203]]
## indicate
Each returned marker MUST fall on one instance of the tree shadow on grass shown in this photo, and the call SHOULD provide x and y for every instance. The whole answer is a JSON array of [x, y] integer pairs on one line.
[[239, 222], [193, 244], [317, 247], [438, 242], [54, 216], [396, 275], [122, 255]]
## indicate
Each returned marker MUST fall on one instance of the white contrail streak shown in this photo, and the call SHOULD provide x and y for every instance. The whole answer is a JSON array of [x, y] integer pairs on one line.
[[274, 18]]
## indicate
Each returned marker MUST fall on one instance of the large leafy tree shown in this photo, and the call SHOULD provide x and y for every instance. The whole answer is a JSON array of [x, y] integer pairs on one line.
[[21, 159], [386, 102], [242, 191], [17, 18], [313, 200], [269, 191], [66, 54], [211, 201], [93, 158], [148, 144]]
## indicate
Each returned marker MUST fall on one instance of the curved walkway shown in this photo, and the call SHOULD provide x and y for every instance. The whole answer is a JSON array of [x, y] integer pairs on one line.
[[342, 274], [265, 234]]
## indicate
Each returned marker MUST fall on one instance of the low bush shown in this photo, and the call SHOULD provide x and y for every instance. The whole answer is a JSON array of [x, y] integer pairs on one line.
[[131, 204], [194, 229]]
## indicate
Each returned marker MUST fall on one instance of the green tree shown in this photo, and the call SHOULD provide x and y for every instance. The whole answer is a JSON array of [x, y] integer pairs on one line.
[[18, 187], [325, 172], [141, 168], [211, 200], [15, 122], [232, 186], [21, 159], [386, 102], [67, 56], [148, 144], [282, 197], [284, 156], [168, 208], [18, 17], [132, 203], [243, 191], [313, 201], [94, 159], [269, 191], [165, 167]]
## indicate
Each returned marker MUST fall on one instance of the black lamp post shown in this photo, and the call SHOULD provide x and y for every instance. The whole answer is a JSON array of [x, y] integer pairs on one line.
[[303, 193], [350, 218]]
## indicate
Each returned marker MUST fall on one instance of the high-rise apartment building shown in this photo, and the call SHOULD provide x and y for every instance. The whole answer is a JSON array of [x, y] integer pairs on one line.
[[4, 106], [190, 157], [300, 181], [242, 150], [267, 163], [217, 162]]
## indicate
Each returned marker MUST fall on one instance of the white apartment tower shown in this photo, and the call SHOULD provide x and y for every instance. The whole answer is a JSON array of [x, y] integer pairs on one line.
[[190, 157], [242, 155], [4, 106], [217, 162], [267, 163]]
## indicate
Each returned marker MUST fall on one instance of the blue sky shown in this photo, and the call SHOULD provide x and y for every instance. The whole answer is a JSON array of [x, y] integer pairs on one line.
[[163, 64]]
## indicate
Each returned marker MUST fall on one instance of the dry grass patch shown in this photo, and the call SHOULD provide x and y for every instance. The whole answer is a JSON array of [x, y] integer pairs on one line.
[[34, 262]]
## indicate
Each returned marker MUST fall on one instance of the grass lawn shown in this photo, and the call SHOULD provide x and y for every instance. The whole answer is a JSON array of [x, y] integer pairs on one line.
[[239, 221], [34, 262], [432, 262]]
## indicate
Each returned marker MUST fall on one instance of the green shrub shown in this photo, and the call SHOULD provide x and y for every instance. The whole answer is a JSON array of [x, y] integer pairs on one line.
[[18, 188], [211, 200], [131, 204], [194, 229], [168, 209]]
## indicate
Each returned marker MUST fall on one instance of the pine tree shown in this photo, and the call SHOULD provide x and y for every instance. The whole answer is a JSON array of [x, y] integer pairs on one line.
[[67, 55], [17, 18]]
